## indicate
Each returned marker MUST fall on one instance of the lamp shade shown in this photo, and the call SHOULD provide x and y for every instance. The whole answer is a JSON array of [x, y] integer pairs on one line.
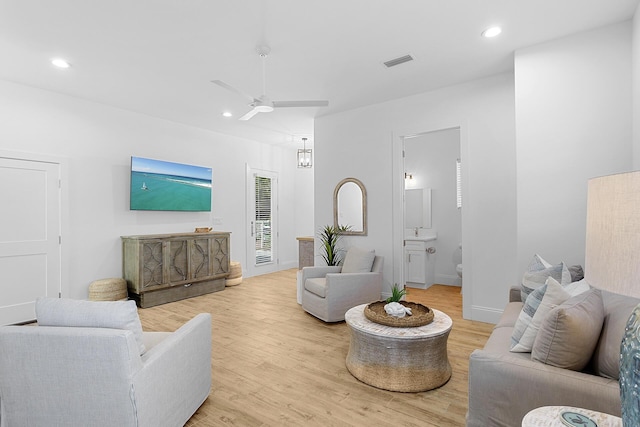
[[612, 253]]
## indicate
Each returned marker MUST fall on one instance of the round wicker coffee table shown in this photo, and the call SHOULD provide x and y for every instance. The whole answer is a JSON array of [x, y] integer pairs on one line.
[[398, 359]]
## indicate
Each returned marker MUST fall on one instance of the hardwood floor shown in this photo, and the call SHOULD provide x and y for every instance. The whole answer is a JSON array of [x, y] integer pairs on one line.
[[275, 365]]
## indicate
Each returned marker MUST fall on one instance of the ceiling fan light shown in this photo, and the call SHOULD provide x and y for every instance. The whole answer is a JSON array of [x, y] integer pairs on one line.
[[264, 108]]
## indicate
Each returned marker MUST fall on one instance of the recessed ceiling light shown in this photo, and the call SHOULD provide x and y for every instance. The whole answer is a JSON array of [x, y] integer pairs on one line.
[[60, 63], [491, 32], [227, 114]]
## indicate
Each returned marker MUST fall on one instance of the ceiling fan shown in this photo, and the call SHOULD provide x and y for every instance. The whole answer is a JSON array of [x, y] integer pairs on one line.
[[263, 104]]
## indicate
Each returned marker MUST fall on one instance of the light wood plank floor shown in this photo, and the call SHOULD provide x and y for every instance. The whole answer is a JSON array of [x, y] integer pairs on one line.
[[275, 365]]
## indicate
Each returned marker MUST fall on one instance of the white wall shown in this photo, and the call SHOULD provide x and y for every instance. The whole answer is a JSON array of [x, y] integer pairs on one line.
[[303, 208], [573, 122], [360, 143], [97, 142], [635, 83], [431, 159]]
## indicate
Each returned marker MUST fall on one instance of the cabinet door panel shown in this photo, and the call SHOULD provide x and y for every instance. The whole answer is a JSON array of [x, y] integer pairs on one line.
[[416, 267], [220, 253], [152, 264], [200, 266], [179, 262]]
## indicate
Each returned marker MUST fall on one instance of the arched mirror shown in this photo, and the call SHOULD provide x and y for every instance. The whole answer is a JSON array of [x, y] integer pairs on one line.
[[350, 206]]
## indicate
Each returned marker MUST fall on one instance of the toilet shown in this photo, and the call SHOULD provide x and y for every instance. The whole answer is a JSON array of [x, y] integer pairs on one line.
[[457, 259]]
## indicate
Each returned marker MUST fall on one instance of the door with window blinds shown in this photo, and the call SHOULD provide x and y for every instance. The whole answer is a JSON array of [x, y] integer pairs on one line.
[[262, 226], [263, 232]]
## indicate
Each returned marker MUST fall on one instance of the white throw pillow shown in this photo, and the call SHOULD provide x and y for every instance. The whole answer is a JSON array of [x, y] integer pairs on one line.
[[540, 302], [358, 261], [90, 314], [577, 288]]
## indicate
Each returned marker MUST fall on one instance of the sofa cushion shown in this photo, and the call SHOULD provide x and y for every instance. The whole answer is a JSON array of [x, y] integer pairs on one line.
[[90, 314], [539, 302], [317, 286], [570, 332], [606, 356], [358, 261], [538, 272]]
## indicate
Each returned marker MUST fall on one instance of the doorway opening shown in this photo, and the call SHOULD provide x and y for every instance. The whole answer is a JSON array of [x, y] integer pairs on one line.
[[431, 212], [398, 209]]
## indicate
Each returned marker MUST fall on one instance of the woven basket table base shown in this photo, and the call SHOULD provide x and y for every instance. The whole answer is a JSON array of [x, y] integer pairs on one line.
[[398, 359]]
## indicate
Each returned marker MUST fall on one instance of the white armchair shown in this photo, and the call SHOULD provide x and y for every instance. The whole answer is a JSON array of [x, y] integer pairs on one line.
[[328, 292], [96, 376]]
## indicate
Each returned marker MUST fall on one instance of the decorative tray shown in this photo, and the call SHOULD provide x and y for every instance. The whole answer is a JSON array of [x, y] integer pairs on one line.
[[421, 315], [575, 419]]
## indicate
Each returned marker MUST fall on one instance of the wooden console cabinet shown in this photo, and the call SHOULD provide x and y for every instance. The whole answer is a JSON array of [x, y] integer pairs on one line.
[[162, 268]]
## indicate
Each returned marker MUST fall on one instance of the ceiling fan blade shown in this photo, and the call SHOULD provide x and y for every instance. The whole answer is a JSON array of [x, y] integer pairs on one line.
[[234, 90], [280, 104], [250, 114]]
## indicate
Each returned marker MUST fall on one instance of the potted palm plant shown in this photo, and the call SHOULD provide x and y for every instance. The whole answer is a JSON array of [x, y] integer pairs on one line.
[[329, 237]]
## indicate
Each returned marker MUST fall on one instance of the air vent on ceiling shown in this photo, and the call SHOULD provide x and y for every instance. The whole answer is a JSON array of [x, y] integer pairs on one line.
[[398, 61]]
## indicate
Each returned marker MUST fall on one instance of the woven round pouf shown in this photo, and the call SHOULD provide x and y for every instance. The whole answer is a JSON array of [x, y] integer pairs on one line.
[[235, 274], [108, 290]]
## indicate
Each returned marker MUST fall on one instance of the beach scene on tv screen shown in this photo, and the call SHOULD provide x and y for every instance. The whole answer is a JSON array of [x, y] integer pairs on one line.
[[168, 186]]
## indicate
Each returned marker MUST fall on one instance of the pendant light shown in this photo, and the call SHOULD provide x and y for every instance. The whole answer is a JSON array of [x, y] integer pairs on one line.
[[304, 155]]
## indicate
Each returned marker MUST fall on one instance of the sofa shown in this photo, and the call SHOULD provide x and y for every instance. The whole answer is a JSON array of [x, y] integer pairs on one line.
[[92, 365], [504, 386]]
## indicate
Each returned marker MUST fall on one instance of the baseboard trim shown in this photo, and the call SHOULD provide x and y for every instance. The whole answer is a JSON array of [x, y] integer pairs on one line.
[[446, 279], [485, 314]]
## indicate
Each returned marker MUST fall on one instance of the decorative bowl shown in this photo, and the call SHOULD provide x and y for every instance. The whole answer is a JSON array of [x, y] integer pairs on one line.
[[421, 315]]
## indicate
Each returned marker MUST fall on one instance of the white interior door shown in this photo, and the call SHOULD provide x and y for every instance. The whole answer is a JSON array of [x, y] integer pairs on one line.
[[30, 258]]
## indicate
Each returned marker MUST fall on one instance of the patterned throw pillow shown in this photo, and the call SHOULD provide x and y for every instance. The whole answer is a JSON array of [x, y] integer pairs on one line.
[[538, 272], [540, 302]]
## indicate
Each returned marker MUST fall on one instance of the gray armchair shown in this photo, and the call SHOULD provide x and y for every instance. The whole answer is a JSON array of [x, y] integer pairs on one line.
[[96, 376], [328, 292]]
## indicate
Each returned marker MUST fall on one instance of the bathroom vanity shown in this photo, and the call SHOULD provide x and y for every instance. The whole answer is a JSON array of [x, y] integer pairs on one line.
[[420, 256]]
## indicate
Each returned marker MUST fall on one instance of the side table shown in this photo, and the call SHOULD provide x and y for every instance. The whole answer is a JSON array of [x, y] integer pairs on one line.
[[549, 416], [398, 359]]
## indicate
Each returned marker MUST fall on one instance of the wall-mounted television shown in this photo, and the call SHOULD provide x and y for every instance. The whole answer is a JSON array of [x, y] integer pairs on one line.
[[157, 185]]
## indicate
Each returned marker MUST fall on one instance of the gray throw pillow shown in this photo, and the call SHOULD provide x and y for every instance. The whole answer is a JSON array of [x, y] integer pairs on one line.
[[569, 333], [358, 261]]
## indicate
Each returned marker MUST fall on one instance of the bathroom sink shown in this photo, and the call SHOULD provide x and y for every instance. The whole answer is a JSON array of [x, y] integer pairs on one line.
[[422, 238]]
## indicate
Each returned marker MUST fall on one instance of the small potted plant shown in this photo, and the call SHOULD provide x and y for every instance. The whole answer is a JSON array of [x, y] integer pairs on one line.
[[394, 307], [395, 312], [396, 294]]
